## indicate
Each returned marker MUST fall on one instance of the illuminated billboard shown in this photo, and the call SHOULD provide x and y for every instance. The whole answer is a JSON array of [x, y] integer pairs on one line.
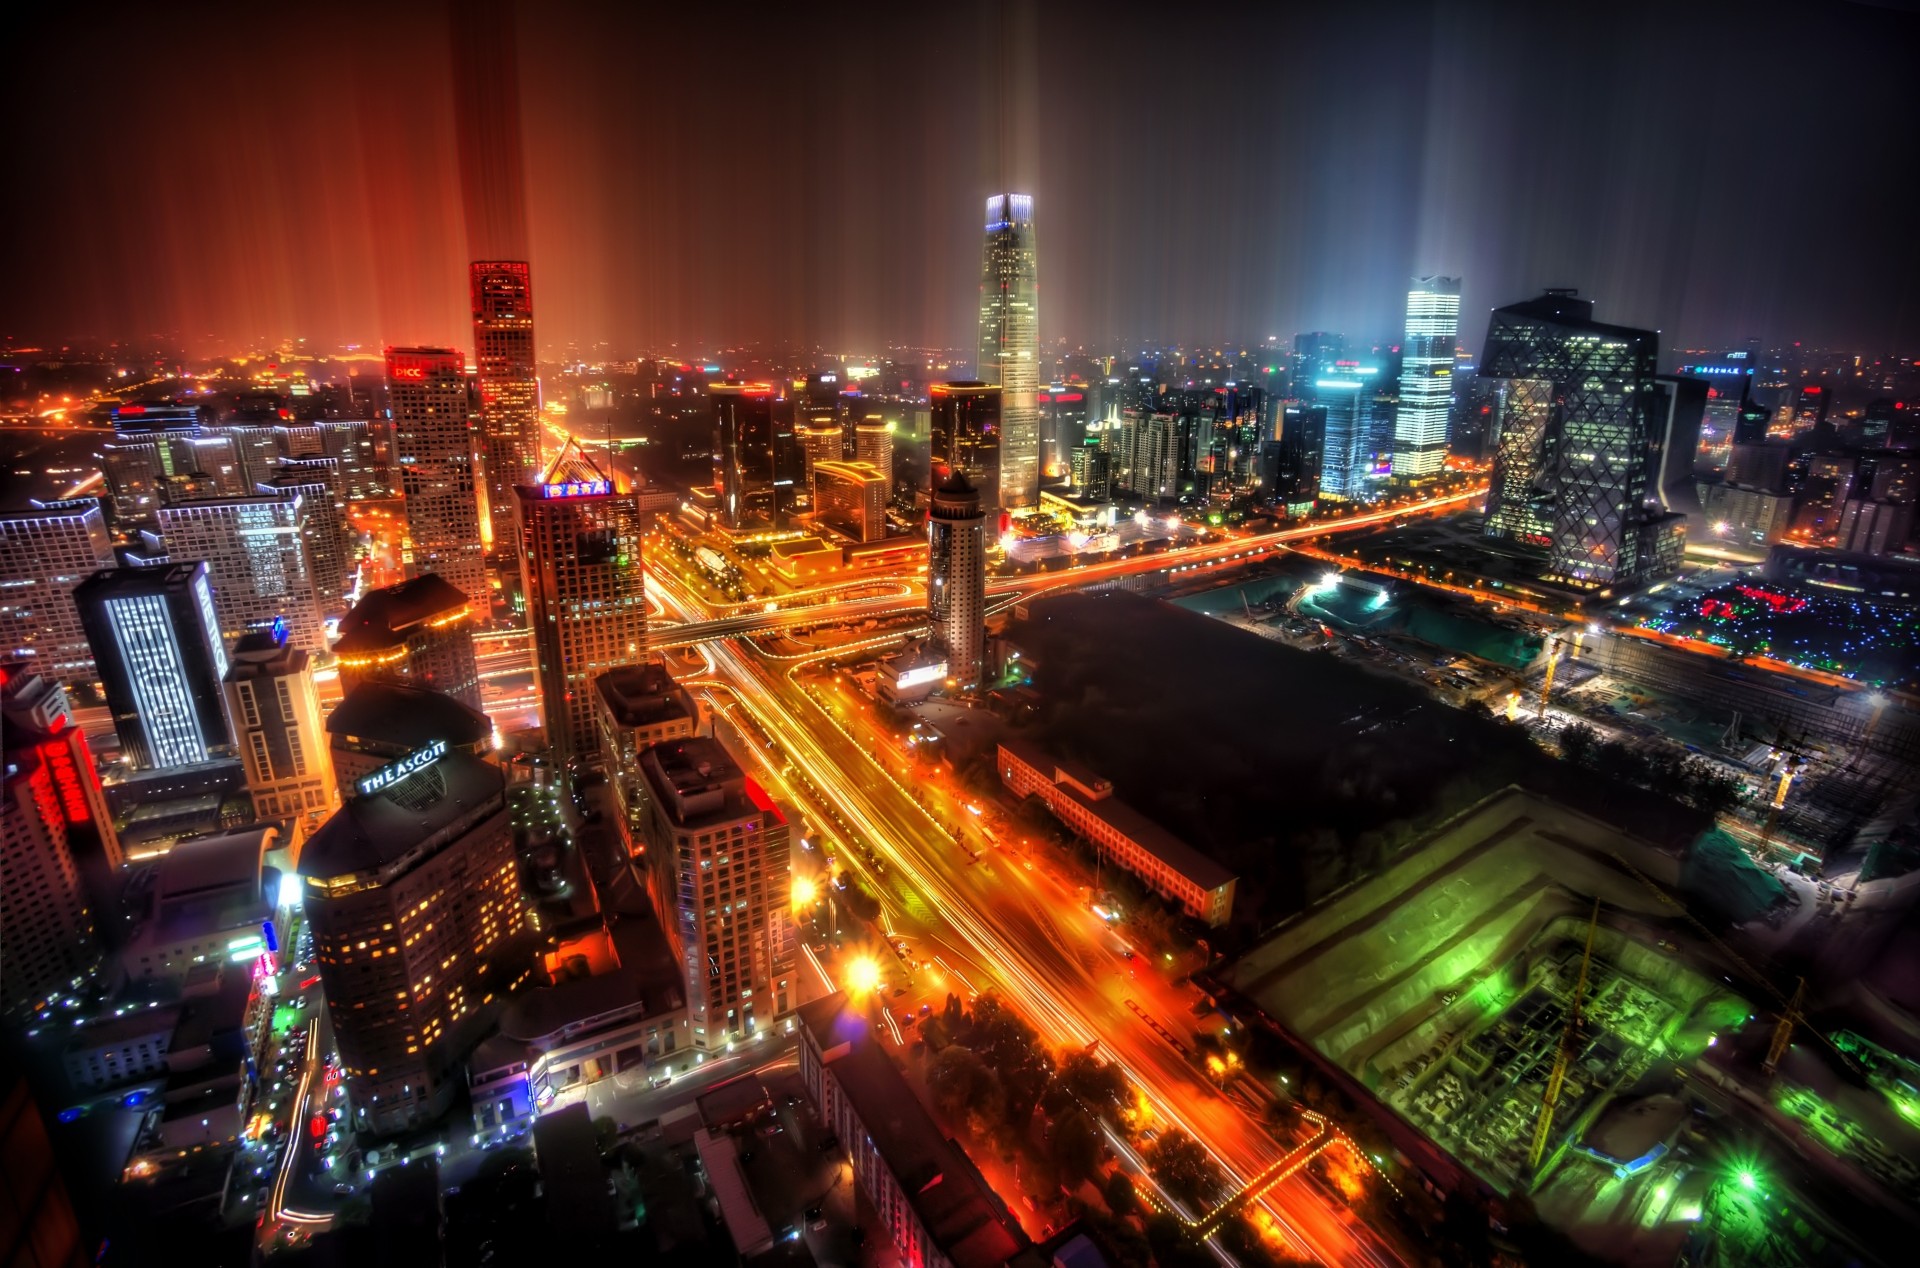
[[923, 675], [394, 772]]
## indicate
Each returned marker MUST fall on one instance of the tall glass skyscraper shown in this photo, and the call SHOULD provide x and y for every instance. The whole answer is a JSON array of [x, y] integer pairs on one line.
[[157, 644], [957, 578], [1579, 458], [1426, 377], [1010, 344], [968, 427], [1346, 463], [433, 436], [502, 295]]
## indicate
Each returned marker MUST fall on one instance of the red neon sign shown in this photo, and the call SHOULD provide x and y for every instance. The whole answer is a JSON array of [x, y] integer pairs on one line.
[[408, 372], [1778, 602], [1811, 391], [131, 409], [66, 777]]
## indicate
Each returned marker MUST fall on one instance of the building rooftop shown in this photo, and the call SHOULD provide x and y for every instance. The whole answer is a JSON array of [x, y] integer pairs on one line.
[[700, 783], [431, 805], [644, 695], [387, 617], [646, 977], [1122, 818], [223, 863], [261, 655], [946, 1192], [406, 718]]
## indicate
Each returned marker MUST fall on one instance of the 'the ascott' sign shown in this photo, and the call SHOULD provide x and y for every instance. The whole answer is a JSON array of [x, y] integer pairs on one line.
[[394, 772]]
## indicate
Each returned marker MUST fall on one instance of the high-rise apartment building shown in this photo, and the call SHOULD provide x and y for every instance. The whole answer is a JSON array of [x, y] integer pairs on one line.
[[1345, 391], [967, 437], [323, 526], [636, 707], [502, 296], [412, 895], [820, 441], [46, 551], [873, 445], [1010, 346], [586, 602], [743, 450], [851, 498], [419, 632], [1426, 378], [52, 814], [156, 644], [279, 737], [957, 578], [1579, 457], [718, 848], [433, 436], [255, 549]]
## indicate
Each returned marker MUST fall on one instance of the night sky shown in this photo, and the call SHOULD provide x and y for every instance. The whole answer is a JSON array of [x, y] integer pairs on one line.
[[707, 174]]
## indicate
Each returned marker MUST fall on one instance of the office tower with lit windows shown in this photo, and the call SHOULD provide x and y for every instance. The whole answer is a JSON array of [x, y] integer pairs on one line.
[[586, 600], [636, 707], [743, 451], [279, 737], [718, 850], [54, 826], [502, 298], [323, 528], [433, 436], [156, 644], [1010, 347], [873, 445], [1314, 353], [412, 895], [957, 578], [851, 499], [967, 438], [820, 441], [255, 549], [1580, 454], [1346, 454], [1294, 474], [364, 473], [46, 551], [418, 632], [1426, 378]]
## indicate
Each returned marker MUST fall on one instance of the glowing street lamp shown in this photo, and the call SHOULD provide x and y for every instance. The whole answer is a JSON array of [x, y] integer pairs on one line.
[[863, 976], [805, 893]]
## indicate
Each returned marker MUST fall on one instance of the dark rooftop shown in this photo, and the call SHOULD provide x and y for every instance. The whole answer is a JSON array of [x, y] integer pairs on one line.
[[648, 975], [644, 695], [407, 718], [367, 833], [385, 617]]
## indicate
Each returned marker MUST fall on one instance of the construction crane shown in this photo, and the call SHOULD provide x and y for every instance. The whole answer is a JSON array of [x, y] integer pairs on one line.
[[1783, 1029], [1546, 684], [1569, 1039]]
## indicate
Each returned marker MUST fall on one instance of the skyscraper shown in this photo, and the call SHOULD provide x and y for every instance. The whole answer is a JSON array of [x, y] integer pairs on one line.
[[277, 732], [46, 551], [434, 444], [718, 848], [316, 483], [1580, 454], [851, 497], [957, 578], [586, 602], [1314, 353], [156, 643], [502, 296], [419, 631], [967, 437], [256, 554], [1426, 378], [413, 898], [1295, 475], [52, 814], [1345, 391], [873, 445], [1010, 346], [743, 450]]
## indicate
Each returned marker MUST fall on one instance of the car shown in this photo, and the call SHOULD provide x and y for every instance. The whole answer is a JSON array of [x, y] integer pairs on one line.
[[343, 1189]]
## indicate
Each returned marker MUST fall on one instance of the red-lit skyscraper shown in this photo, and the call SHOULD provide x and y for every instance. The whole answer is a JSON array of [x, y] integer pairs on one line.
[[502, 294], [433, 438]]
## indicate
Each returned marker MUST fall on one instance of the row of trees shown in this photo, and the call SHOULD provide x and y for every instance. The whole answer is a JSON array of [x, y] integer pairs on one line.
[[1658, 769]]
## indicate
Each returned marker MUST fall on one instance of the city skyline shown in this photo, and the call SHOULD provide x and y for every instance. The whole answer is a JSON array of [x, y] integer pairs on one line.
[[1462, 160]]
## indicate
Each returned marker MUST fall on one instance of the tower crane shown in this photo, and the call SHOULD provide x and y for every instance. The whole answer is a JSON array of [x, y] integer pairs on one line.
[[1563, 1056]]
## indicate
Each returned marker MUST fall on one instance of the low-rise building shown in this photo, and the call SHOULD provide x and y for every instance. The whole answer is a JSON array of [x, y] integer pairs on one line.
[[211, 902], [935, 1204], [1084, 802]]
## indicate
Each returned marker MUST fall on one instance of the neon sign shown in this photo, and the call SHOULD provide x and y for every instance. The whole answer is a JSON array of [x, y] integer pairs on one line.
[[66, 778], [577, 489], [408, 372], [394, 772]]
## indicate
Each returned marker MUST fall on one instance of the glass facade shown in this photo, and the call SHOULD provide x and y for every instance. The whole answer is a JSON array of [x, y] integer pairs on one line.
[[1426, 377], [1010, 345]]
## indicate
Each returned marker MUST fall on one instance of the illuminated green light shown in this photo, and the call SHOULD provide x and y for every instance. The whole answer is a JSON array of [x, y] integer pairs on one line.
[[1747, 1181]]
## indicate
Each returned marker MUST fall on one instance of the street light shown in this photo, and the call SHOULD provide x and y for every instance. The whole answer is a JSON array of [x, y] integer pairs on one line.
[[863, 976]]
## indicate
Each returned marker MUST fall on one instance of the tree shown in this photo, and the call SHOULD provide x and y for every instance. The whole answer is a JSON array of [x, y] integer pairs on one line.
[[964, 1088], [605, 1131], [1183, 1167], [1074, 1147], [1119, 1194], [1097, 1085], [1012, 1050]]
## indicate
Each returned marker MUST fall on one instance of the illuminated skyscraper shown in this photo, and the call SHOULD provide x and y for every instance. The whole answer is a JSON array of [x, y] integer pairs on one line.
[[1426, 378], [1580, 453], [957, 578], [278, 735], [743, 450], [157, 645], [1010, 346], [586, 601], [412, 895], [45, 552], [1297, 456], [256, 554], [1346, 455], [873, 445], [433, 433], [967, 437], [502, 296], [419, 632]]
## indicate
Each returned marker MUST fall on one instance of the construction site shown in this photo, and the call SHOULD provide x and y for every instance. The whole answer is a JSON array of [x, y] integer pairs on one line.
[[1524, 991]]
